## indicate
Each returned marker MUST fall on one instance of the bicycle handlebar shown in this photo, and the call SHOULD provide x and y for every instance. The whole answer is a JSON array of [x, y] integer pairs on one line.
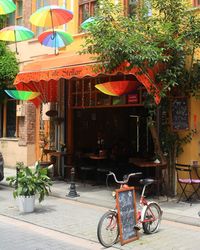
[[125, 180]]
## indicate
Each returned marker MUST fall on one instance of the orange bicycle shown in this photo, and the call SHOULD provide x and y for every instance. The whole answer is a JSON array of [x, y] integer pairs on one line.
[[148, 216]]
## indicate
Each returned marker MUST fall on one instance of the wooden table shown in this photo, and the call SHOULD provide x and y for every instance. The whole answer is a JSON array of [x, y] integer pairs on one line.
[[142, 163], [97, 157]]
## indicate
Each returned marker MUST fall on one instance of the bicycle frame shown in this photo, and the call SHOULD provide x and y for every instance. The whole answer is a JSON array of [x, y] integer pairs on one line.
[[148, 216]]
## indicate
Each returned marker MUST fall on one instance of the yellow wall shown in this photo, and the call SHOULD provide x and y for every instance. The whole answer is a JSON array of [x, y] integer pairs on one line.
[[192, 150]]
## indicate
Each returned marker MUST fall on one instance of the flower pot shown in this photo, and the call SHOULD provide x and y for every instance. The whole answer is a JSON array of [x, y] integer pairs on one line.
[[26, 203]]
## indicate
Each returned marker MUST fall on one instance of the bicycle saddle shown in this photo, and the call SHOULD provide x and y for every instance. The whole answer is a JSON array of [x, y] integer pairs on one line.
[[147, 181]]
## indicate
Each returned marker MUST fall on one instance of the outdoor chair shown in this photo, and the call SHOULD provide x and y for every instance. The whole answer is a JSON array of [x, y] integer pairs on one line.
[[185, 179]]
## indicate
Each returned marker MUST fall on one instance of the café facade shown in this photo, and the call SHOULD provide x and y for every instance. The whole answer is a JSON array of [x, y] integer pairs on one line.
[[67, 84], [71, 113]]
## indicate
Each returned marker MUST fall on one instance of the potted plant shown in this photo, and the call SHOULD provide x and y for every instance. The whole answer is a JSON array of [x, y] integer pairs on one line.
[[28, 183]]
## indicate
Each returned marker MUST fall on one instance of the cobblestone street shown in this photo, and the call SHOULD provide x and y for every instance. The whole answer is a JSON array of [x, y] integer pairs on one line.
[[71, 218]]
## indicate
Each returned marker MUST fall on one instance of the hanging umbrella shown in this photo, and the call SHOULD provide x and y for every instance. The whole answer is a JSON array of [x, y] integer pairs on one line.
[[51, 16], [55, 39], [22, 95], [117, 88], [87, 23], [15, 34], [6, 7]]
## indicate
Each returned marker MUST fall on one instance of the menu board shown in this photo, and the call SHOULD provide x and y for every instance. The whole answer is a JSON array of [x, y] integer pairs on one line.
[[126, 205], [180, 116]]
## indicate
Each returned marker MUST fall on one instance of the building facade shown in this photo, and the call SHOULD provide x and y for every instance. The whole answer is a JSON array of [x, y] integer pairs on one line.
[[81, 108]]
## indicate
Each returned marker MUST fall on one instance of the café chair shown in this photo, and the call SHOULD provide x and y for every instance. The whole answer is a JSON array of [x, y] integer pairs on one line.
[[85, 172], [185, 179]]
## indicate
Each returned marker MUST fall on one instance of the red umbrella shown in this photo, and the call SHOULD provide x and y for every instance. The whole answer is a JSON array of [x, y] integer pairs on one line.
[[117, 88]]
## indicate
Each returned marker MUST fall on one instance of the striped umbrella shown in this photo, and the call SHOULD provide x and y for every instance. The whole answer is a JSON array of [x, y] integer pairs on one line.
[[55, 38], [6, 7], [117, 88], [15, 34], [51, 16], [21, 94]]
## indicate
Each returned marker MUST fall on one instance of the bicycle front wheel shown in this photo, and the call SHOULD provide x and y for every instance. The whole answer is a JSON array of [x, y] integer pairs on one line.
[[152, 218], [108, 230]]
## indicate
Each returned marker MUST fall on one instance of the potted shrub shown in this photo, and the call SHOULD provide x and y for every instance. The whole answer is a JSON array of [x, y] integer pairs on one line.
[[29, 183]]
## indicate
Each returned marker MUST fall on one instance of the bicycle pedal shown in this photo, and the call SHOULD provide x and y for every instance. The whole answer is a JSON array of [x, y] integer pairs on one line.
[[137, 227]]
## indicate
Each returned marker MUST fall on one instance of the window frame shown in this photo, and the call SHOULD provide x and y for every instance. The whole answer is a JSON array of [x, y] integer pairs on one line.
[[17, 16], [4, 117], [35, 6], [126, 7], [195, 3], [13, 18], [81, 3]]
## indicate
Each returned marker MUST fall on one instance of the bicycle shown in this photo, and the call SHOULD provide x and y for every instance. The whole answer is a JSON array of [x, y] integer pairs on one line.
[[148, 217]]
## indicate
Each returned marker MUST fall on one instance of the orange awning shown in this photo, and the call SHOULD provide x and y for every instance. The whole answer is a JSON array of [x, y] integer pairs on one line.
[[47, 70]]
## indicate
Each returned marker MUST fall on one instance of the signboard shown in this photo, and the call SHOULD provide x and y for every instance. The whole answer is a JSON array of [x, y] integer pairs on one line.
[[133, 98], [126, 206], [180, 114]]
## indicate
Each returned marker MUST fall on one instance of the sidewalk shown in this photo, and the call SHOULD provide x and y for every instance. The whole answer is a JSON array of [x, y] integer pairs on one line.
[[101, 196]]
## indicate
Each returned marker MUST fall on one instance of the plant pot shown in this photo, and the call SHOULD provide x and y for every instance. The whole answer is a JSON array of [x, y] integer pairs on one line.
[[26, 203]]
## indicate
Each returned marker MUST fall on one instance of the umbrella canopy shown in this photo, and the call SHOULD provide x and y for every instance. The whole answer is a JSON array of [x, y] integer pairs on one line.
[[15, 34], [87, 23], [22, 95], [6, 7], [51, 16], [55, 38], [117, 88], [47, 89]]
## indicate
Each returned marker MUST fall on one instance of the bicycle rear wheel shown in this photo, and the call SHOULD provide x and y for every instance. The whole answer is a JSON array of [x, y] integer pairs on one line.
[[152, 218], [108, 230]]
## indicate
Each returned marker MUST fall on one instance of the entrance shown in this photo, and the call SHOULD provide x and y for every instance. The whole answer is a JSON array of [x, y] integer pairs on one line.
[[121, 133]]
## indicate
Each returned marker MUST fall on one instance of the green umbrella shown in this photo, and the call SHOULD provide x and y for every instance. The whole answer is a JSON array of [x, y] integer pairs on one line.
[[15, 34], [22, 95], [6, 7]]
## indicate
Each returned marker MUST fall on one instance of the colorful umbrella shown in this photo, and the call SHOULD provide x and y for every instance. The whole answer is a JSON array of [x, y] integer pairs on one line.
[[55, 38], [87, 23], [6, 7], [15, 34], [51, 16], [22, 95], [117, 88]]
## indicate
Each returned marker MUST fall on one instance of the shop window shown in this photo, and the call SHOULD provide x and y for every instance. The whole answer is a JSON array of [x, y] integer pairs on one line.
[[196, 3], [11, 119], [16, 17], [8, 125], [86, 95], [86, 9]]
